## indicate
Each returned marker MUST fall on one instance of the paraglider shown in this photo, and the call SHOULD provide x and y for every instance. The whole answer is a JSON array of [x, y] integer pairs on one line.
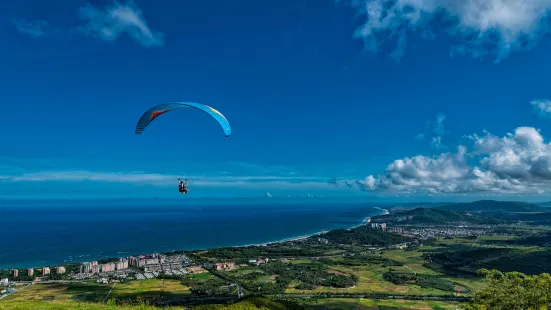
[[182, 186], [156, 111]]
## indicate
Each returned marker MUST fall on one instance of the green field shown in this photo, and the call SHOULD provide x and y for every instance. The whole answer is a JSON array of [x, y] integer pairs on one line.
[[146, 289], [371, 275]]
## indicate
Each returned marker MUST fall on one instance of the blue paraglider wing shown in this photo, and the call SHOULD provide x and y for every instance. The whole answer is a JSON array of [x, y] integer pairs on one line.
[[156, 111]]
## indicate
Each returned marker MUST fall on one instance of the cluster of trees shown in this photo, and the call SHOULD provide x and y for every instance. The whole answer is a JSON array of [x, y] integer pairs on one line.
[[468, 261], [209, 287], [361, 260], [541, 240], [249, 276], [426, 281], [512, 291], [272, 251], [309, 275], [364, 235]]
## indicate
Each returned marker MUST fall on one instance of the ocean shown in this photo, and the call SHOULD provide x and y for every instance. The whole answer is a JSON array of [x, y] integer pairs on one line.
[[35, 234]]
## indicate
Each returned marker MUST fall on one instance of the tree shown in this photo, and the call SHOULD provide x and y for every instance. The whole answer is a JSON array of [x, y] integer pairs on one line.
[[512, 291]]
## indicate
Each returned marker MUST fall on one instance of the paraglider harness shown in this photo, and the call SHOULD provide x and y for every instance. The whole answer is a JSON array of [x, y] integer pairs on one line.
[[182, 186]]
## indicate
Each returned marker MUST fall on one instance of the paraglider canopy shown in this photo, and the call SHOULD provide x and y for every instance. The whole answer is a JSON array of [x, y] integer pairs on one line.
[[156, 111]]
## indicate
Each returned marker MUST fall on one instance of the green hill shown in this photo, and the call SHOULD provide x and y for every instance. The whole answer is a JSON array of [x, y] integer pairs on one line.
[[364, 235], [432, 216], [493, 206]]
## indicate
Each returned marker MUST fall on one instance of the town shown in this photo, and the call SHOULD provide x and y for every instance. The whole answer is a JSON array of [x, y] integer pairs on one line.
[[139, 267]]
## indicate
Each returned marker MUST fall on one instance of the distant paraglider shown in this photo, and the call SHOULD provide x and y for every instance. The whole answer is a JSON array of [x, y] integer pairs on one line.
[[156, 111], [182, 186]]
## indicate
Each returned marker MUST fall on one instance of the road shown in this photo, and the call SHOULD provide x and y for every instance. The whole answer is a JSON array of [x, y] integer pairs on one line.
[[379, 296], [109, 293]]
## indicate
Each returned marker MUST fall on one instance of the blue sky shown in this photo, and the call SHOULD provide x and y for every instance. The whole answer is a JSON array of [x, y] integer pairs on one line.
[[394, 98]]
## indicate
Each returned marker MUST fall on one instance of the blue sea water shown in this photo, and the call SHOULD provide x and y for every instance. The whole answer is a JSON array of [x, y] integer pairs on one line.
[[38, 233]]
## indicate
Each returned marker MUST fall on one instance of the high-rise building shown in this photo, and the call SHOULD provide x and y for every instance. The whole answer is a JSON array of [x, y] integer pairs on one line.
[[122, 264], [86, 267], [30, 272], [108, 267], [45, 271], [15, 273], [60, 270]]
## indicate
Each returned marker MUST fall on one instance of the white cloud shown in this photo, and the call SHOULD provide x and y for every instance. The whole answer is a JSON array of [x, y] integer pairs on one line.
[[110, 23], [518, 163], [481, 26], [37, 28], [542, 106]]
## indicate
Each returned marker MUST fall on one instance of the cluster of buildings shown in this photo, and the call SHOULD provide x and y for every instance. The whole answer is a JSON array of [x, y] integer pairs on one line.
[[94, 267], [381, 226], [384, 227], [226, 266], [397, 230], [149, 263], [323, 240], [44, 271], [196, 269], [143, 260], [426, 233], [162, 266], [258, 262]]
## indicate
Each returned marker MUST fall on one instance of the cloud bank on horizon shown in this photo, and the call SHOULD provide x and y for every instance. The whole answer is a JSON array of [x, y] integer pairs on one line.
[[166, 180], [481, 27], [517, 163]]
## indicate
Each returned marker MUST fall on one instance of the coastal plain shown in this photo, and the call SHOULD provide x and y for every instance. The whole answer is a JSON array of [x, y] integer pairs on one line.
[[429, 260]]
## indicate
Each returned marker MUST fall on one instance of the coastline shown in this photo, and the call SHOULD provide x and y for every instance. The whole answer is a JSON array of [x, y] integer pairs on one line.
[[75, 258], [365, 221]]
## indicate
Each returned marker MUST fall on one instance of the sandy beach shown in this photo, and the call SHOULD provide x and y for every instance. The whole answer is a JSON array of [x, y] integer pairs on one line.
[[364, 222]]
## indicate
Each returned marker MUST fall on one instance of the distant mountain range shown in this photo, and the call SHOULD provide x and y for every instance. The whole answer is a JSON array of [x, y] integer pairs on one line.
[[480, 206], [433, 216], [479, 212], [492, 206]]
